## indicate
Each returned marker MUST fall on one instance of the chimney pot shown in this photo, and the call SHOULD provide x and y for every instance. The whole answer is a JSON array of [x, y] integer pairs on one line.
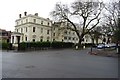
[[20, 15], [25, 13], [36, 14]]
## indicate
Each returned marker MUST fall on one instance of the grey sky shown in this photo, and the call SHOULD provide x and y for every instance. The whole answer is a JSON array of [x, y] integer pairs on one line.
[[10, 10]]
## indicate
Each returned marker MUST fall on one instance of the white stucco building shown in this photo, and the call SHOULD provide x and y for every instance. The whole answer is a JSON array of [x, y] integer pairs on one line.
[[32, 28]]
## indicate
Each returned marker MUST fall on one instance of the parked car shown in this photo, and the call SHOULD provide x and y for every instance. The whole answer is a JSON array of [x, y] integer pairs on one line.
[[100, 46], [110, 45]]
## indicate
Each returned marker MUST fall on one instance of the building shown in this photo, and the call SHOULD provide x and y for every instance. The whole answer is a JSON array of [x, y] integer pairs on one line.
[[5, 35], [32, 28]]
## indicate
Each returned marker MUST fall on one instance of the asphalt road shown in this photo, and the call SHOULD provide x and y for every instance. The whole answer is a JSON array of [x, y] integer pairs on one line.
[[65, 63]]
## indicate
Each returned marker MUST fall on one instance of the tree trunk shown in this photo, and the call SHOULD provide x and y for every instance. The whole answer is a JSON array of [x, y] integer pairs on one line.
[[80, 42]]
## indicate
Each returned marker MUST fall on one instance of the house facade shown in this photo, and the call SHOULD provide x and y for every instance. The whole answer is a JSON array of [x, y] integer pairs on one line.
[[32, 28], [5, 35]]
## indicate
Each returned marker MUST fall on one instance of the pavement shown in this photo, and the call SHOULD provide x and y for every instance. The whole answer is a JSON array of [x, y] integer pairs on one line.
[[64, 63]]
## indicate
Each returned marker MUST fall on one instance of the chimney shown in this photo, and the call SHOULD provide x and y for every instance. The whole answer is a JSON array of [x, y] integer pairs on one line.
[[36, 14], [20, 15], [48, 19], [25, 13]]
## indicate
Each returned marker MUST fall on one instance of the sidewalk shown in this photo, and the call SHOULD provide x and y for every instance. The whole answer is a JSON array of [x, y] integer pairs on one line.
[[106, 52]]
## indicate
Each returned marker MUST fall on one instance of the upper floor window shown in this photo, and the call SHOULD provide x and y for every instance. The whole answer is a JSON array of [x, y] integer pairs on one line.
[[33, 29], [26, 29], [34, 20], [41, 30], [73, 33], [21, 22], [26, 20], [65, 32], [73, 38], [17, 23], [54, 28], [48, 23], [69, 38], [42, 22], [53, 34], [65, 37], [17, 30], [47, 31], [21, 30]]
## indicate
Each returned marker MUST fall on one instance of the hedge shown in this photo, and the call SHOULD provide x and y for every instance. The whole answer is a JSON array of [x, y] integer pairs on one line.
[[5, 45], [39, 45]]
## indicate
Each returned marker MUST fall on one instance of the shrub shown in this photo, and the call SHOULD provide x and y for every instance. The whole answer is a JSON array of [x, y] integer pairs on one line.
[[5, 46], [22, 46]]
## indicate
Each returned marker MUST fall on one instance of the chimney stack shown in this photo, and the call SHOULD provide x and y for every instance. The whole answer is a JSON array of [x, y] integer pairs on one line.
[[20, 15], [25, 13], [36, 14]]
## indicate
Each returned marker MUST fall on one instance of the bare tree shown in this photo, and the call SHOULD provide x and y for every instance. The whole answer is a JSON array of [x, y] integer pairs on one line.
[[112, 15], [87, 12]]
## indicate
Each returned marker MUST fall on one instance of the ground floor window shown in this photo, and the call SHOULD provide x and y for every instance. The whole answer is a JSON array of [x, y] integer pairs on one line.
[[33, 40], [26, 38], [41, 40]]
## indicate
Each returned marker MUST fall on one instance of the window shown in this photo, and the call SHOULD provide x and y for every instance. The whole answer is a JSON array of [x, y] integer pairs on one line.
[[73, 33], [34, 36], [48, 39], [73, 38], [65, 37], [69, 38], [48, 23], [21, 22], [76, 38], [53, 40], [47, 31], [33, 29], [17, 30], [54, 28], [41, 38], [33, 40], [41, 30], [34, 20], [26, 29], [26, 20], [17, 23], [26, 38], [53, 34], [22, 38], [42, 22], [69, 32], [21, 30], [65, 32]]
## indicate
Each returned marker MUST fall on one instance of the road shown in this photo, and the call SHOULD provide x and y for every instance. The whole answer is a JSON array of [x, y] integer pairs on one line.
[[66, 63]]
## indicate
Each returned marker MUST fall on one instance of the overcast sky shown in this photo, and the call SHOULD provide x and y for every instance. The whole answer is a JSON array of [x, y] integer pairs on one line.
[[10, 10]]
